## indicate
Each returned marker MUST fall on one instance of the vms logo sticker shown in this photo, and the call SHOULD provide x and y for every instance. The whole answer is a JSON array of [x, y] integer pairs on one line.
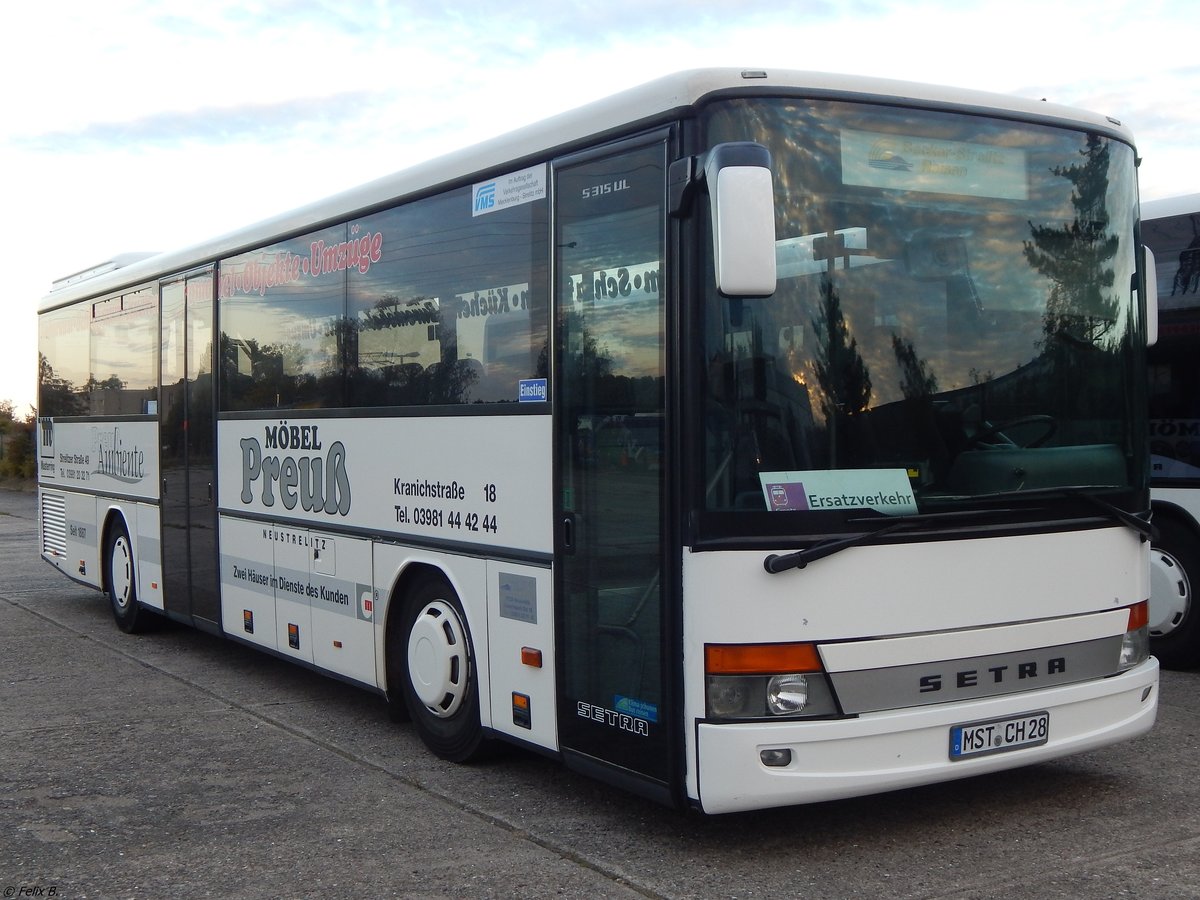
[[485, 197]]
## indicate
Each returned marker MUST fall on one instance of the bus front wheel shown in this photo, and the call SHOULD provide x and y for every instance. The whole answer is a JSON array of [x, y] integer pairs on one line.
[[1174, 575], [441, 689]]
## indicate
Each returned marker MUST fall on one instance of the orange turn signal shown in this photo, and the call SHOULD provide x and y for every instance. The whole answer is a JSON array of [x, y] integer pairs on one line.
[[531, 657], [1139, 615], [760, 659]]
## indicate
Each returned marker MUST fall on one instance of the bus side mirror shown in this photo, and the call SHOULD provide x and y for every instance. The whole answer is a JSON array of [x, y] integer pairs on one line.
[[1150, 271], [742, 201]]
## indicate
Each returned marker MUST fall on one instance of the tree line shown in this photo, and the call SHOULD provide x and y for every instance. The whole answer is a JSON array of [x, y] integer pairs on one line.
[[17, 453]]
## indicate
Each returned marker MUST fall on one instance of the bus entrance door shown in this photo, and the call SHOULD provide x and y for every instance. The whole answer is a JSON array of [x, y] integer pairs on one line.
[[612, 709], [187, 427]]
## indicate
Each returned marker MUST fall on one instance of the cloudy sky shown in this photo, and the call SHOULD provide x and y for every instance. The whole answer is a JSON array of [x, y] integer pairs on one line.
[[135, 125]]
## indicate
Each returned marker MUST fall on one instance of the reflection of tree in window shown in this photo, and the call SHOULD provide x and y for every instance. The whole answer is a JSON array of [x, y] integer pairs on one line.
[[841, 373], [105, 395], [1073, 255], [588, 362], [56, 395], [916, 380], [343, 356], [256, 375], [1079, 323]]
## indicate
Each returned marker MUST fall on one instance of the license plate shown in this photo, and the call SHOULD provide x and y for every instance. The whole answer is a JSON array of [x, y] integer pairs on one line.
[[999, 735]]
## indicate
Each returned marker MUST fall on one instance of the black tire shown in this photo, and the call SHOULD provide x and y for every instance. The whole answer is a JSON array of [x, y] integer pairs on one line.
[[120, 582], [1174, 578], [397, 672], [441, 688]]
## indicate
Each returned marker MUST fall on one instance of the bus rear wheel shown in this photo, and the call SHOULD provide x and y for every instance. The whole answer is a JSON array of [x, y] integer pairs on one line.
[[121, 582], [1174, 576], [441, 688]]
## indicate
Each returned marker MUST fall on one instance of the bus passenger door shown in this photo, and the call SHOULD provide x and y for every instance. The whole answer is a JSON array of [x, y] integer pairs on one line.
[[609, 395], [187, 430]]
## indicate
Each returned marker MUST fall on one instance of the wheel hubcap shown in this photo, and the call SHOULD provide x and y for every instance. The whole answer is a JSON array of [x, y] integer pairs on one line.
[[1170, 593], [438, 660], [122, 572]]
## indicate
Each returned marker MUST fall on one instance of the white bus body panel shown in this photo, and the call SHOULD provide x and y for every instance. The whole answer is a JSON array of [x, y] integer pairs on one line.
[[471, 480], [69, 534], [342, 605], [993, 592], [247, 595], [119, 459], [521, 615], [293, 611], [72, 542], [303, 593], [478, 485], [147, 537], [104, 457]]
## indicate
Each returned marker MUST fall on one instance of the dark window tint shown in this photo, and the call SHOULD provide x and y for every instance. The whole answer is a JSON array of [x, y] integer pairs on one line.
[[455, 308], [422, 304]]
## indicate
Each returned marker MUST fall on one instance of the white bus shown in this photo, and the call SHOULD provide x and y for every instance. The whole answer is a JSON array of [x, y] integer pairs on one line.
[[1171, 230], [747, 439]]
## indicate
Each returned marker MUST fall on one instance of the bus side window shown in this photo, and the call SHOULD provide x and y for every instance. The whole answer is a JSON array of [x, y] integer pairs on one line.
[[449, 313]]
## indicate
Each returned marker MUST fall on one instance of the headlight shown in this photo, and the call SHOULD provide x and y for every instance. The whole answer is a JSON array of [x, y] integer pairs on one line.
[[765, 696], [733, 697], [758, 681], [787, 695]]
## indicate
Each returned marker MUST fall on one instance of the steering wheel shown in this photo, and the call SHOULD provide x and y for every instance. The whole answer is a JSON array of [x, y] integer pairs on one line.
[[1048, 425]]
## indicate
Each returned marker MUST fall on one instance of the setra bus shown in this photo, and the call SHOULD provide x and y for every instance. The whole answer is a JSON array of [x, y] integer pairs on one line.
[[747, 439], [1171, 231]]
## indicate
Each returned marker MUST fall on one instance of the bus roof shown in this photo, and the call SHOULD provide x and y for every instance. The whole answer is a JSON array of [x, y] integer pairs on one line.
[[1171, 206], [655, 102]]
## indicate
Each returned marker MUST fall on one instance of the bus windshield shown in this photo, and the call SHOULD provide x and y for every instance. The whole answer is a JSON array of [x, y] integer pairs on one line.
[[954, 320]]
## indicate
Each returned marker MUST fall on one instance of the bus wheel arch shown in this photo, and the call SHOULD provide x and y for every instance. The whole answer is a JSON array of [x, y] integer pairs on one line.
[[1174, 580], [118, 571], [396, 638], [431, 665]]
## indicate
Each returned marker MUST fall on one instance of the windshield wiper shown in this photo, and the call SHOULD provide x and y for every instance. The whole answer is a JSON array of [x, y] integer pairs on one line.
[[1139, 522], [776, 562]]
